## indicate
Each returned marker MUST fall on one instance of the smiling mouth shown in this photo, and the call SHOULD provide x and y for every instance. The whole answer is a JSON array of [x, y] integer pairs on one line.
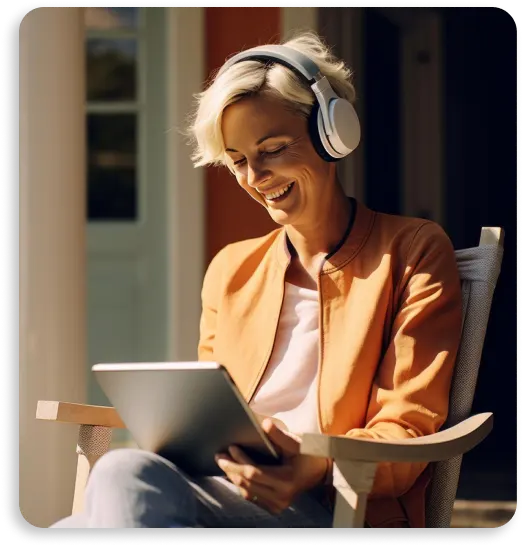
[[280, 195]]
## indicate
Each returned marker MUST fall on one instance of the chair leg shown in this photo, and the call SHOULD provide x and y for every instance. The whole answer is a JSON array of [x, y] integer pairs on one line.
[[353, 482], [83, 469]]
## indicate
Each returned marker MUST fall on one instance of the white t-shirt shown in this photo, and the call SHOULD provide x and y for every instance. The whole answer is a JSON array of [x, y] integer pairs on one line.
[[288, 389]]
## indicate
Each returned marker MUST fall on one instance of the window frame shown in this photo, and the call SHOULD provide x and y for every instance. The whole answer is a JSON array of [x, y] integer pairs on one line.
[[137, 107]]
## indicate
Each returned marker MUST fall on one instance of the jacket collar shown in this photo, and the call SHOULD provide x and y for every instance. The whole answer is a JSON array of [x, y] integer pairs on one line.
[[352, 242]]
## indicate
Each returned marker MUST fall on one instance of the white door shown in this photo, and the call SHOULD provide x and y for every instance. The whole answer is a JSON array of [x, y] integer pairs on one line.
[[127, 226]]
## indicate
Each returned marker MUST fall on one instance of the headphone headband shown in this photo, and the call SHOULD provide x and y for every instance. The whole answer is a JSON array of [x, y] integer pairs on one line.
[[333, 123], [289, 57]]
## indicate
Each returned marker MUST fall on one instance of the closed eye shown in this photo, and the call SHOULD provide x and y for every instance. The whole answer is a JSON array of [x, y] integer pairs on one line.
[[275, 152], [272, 153]]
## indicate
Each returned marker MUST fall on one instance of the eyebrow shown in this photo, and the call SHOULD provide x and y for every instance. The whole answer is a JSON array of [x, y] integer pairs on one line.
[[260, 141]]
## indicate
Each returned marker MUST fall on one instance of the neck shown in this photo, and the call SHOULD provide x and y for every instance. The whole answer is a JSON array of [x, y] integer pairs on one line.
[[313, 241]]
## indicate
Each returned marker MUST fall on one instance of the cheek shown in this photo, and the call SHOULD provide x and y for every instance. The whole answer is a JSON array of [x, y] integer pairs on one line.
[[310, 178], [304, 163], [318, 172]]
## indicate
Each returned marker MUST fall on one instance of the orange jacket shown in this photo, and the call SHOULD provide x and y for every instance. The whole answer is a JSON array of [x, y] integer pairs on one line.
[[390, 324]]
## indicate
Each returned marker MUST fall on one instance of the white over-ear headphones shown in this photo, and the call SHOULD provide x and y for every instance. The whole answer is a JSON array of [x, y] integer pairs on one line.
[[333, 124]]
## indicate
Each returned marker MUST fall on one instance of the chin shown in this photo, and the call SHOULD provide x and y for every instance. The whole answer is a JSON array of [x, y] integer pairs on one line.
[[281, 217]]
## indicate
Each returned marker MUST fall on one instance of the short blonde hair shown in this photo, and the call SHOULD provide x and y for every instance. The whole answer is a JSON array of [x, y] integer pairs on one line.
[[255, 77]]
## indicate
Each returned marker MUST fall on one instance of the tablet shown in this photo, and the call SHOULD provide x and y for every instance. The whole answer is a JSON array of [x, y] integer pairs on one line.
[[186, 412]]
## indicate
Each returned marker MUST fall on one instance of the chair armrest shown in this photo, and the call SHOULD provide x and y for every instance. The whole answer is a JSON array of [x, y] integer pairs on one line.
[[73, 413], [439, 446]]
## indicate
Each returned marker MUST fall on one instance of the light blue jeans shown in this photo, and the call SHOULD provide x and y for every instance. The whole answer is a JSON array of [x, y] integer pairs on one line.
[[130, 488]]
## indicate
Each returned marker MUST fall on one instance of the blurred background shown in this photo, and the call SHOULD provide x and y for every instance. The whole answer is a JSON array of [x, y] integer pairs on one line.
[[117, 227]]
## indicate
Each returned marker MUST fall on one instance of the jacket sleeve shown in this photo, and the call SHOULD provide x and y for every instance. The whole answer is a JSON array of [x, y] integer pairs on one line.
[[410, 392], [210, 298]]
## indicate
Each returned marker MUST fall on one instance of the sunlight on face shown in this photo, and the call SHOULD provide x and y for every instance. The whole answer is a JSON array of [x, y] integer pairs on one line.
[[270, 154]]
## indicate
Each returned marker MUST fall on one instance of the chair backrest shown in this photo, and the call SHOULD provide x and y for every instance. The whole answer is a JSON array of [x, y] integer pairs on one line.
[[479, 269]]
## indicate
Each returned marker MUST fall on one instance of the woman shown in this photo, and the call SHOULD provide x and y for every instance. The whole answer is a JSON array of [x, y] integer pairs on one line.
[[342, 321]]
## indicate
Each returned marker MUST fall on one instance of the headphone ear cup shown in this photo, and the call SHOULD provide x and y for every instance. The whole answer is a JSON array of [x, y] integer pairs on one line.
[[314, 134]]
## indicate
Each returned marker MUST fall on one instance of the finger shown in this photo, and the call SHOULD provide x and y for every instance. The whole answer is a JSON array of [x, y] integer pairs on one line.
[[272, 485], [289, 443], [238, 462], [247, 473], [278, 478], [240, 456], [276, 421], [226, 463]]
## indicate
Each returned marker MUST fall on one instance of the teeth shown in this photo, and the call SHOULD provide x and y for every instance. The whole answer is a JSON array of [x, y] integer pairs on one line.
[[281, 192]]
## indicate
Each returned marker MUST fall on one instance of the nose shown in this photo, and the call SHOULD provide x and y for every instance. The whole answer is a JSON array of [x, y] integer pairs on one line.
[[256, 175]]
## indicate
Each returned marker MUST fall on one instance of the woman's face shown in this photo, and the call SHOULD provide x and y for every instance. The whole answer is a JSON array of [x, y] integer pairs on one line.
[[270, 153]]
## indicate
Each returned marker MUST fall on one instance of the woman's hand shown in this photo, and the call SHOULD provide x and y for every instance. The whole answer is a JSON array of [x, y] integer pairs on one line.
[[274, 487]]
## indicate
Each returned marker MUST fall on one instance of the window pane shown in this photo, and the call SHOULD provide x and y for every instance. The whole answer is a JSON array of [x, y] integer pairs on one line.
[[111, 69], [112, 171], [111, 18]]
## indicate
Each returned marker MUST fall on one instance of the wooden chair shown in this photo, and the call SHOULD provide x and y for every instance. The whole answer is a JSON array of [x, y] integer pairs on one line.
[[355, 460]]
